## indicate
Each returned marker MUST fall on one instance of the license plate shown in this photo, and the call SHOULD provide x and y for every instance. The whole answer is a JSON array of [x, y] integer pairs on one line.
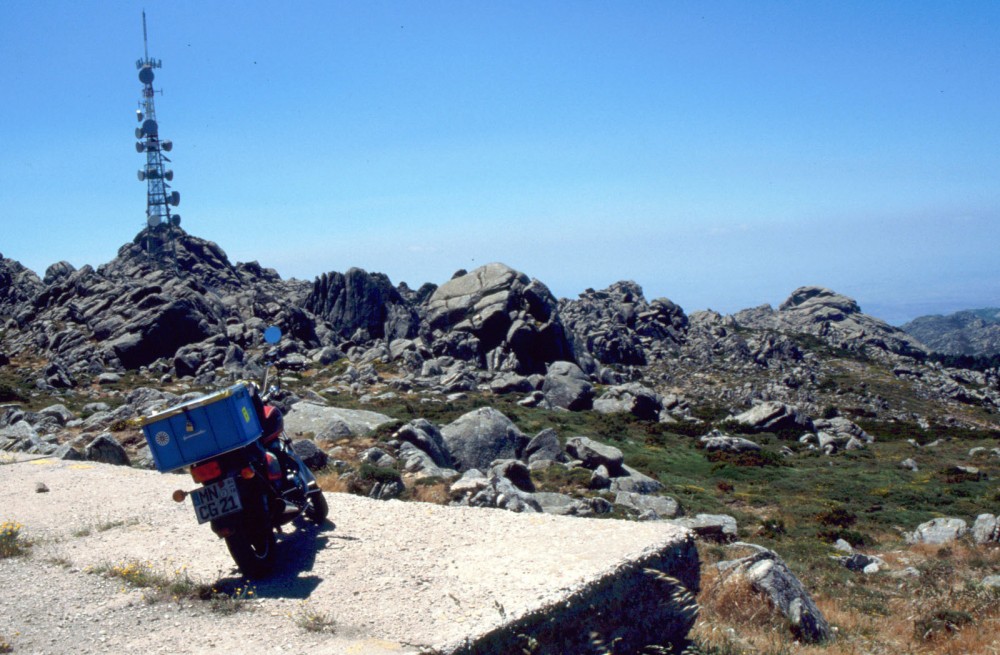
[[215, 500]]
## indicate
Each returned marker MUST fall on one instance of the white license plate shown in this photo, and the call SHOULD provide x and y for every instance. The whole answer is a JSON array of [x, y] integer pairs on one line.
[[215, 500]]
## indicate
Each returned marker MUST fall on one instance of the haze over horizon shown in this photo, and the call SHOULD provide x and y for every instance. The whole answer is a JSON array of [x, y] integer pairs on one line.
[[719, 155]]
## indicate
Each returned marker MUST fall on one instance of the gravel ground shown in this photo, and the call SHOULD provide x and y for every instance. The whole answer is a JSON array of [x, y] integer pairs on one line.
[[395, 577]]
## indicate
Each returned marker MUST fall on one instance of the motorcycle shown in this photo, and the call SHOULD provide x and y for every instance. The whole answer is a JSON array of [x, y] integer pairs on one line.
[[252, 481]]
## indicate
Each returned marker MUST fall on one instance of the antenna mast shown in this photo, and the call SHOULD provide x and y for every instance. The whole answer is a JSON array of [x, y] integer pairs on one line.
[[160, 222]]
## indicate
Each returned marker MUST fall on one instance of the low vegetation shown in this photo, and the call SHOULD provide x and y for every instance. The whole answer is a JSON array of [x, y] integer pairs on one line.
[[12, 542], [311, 619], [798, 505], [177, 586]]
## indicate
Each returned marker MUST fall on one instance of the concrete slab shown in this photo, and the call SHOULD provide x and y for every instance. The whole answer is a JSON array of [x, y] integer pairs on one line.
[[397, 577]]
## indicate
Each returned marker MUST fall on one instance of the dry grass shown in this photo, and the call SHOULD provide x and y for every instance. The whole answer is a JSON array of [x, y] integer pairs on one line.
[[943, 611], [429, 493], [333, 482]]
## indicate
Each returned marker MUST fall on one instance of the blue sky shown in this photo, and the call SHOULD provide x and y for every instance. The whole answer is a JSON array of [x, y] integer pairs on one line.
[[720, 154]]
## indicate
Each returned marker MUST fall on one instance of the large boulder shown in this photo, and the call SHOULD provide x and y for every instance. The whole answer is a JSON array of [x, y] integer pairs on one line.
[[633, 481], [837, 434], [424, 435], [768, 574], [310, 454], [631, 398], [476, 439], [512, 321], [422, 465], [501, 493], [544, 446], [716, 440], [594, 454], [713, 527], [329, 423], [938, 531], [986, 529], [651, 507], [772, 416], [105, 448], [567, 386]]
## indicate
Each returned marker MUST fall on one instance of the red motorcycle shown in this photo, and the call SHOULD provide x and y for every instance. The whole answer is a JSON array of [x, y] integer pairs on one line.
[[252, 480]]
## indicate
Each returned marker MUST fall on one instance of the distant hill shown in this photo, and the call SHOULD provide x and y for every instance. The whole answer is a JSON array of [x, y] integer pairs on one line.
[[970, 332]]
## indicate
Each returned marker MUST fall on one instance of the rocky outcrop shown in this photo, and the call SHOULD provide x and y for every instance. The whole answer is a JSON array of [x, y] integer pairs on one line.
[[505, 320], [834, 318], [18, 287], [617, 326], [362, 306], [137, 310], [836, 434]]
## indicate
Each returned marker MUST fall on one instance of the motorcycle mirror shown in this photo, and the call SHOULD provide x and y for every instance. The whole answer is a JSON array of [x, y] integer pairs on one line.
[[272, 335]]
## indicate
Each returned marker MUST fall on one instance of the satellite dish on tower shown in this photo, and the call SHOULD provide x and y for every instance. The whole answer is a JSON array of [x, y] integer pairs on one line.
[[142, 176], [146, 74], [139, 146], [149, 127], [175, 220], [167, 145], [168, 175], [153, 221], [175, 198]]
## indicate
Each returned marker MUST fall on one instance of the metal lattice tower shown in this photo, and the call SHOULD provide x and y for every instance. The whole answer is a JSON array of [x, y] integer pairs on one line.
[[160, 222]]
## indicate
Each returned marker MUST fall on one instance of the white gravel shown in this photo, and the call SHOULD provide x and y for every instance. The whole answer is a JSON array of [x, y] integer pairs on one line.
[[396, 577]]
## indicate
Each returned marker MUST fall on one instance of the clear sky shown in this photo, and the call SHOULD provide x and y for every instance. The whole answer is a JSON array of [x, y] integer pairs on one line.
[[719, 153]]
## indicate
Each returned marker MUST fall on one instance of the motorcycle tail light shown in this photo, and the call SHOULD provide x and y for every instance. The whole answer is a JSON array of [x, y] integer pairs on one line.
[[247, 473], [273, 468], [207, 471]]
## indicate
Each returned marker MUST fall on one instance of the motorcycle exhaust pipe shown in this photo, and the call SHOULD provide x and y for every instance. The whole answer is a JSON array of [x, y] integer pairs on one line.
[[289, 509]]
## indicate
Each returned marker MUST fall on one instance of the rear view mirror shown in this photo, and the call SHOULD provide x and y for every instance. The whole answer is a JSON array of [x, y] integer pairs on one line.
[[272, 335]]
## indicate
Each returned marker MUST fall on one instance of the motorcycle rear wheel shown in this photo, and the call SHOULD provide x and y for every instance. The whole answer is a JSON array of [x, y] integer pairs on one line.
[[254, 549], [317, 508]]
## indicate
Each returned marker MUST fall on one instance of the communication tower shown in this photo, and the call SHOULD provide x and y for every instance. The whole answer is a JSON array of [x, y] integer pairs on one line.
[[160, 221]]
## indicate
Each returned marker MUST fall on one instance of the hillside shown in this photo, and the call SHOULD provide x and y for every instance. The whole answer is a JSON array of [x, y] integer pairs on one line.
[[805, 429], [973, 332]]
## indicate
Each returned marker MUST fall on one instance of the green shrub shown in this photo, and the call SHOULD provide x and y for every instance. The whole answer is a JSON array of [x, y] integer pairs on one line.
[[371, 473], [772, 528], [9, 393], [759, 458], [385, 431], [856, 539], [837, 517]]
